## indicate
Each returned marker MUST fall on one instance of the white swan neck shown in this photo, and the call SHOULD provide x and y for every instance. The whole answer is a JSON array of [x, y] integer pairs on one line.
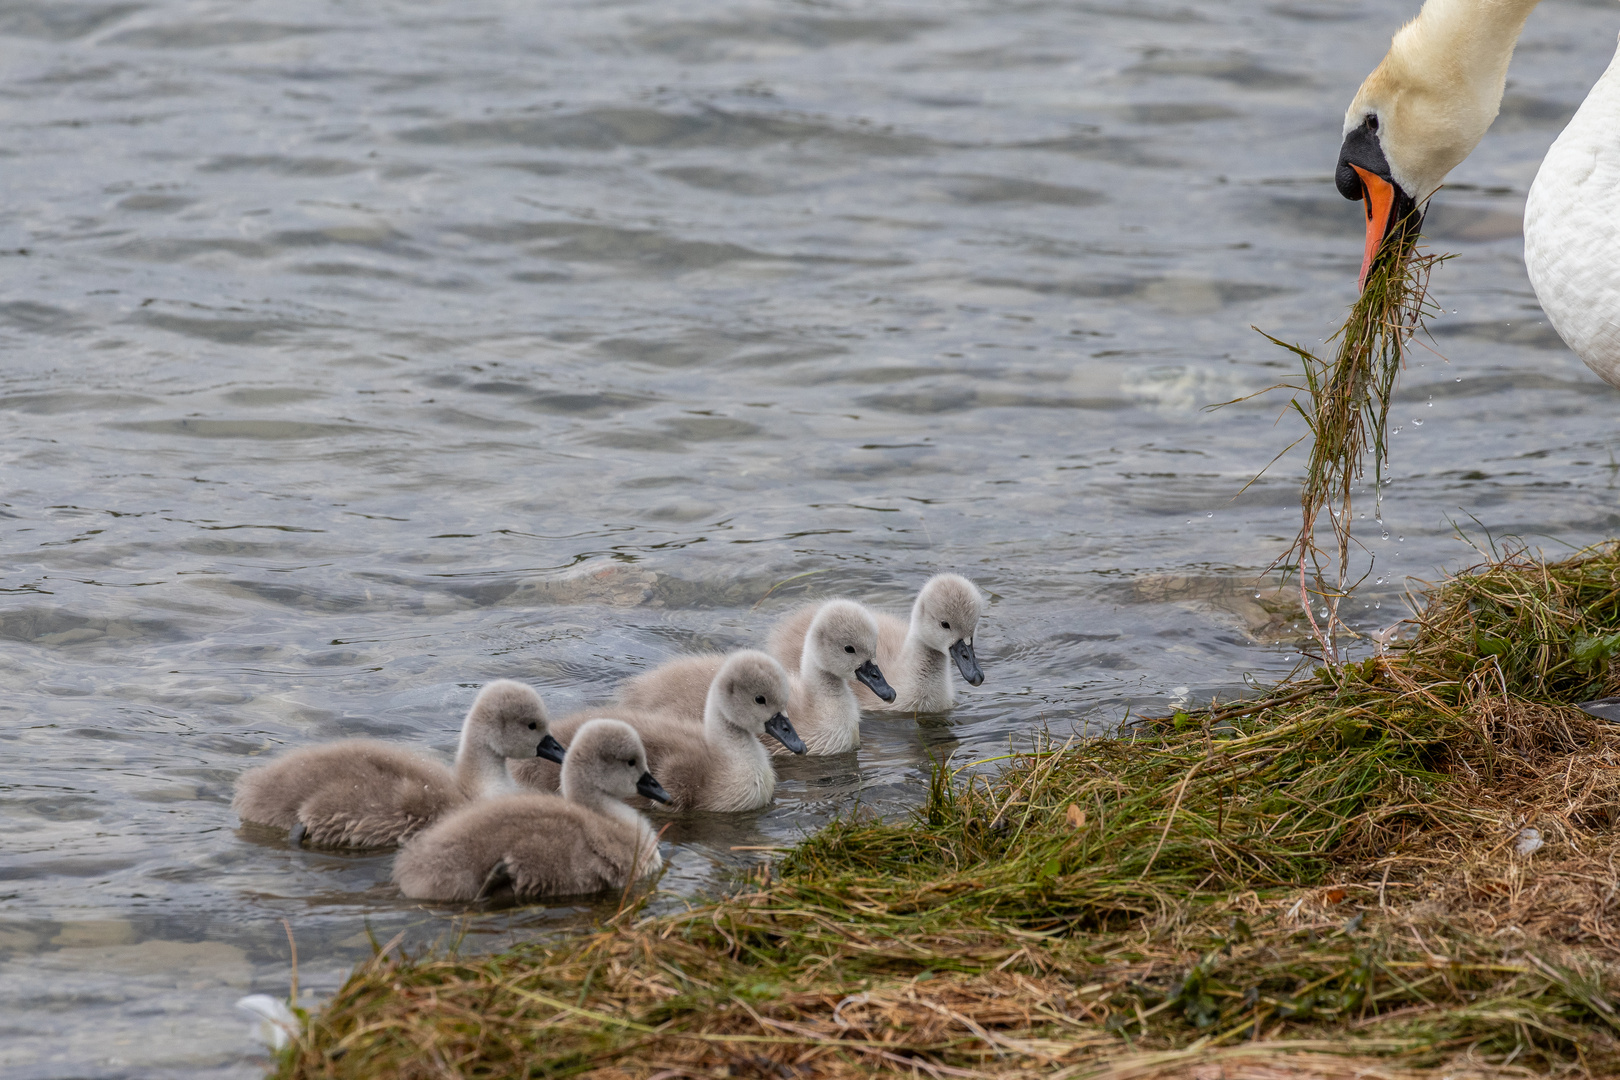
[[1439, 87]]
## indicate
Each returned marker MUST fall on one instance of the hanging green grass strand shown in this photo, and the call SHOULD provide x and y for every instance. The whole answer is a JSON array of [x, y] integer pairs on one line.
[[1345, 405]]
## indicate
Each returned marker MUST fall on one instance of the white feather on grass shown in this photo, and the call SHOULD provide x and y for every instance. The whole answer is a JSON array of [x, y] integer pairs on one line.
[[275, 1025]]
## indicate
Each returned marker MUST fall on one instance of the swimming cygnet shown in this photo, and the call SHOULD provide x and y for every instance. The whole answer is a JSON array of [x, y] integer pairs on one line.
[[914, 657], [369, 793], [585, 841], [844, 642], [709, 758]]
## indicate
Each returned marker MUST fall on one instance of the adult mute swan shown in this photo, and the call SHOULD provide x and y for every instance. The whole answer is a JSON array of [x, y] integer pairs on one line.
[[1425, 108]]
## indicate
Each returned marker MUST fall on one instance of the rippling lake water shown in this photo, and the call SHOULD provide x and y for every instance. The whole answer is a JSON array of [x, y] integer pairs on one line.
[[356, 354]]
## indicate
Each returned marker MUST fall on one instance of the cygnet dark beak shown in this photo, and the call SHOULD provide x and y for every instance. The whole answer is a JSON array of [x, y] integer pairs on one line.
[[872, 677], [550, 749], [782, 728], [1607, 708], [967, 662], [651, 788]]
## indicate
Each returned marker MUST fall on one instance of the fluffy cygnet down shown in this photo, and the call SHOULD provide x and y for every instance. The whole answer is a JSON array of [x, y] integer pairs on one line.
[[708, 759], [532, 845], [369, 793], [915, 657], [843, 639]]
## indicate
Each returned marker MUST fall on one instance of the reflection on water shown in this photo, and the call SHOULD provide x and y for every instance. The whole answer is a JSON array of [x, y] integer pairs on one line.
[[358, 355]]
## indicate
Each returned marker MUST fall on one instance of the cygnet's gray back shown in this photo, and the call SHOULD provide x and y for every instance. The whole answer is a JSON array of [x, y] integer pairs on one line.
[[353, 793], [786, 642], [680, 685], [369, 793], [543, 845], [531, 844]]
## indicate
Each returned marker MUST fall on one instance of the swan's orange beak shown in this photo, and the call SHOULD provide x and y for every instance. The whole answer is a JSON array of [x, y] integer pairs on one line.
[[1378, 196]]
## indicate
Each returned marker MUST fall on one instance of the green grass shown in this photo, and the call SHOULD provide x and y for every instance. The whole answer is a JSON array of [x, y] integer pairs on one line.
[[1345, 405], [1317, 881]]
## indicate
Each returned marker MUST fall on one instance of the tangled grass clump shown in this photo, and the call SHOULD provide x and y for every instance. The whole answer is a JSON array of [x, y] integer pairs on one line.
[[1345, 405]]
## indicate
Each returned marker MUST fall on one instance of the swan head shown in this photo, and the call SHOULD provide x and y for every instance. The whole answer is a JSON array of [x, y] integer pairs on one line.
[[510, 719], [945, 618], [750, 692], [606, 756], [1424, 109], [843, 640]]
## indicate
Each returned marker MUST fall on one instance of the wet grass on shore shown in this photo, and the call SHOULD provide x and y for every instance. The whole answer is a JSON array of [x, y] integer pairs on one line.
[[1406, 866]]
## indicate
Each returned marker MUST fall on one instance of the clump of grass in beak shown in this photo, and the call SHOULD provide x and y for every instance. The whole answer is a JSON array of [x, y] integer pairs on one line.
[[1345, 405]]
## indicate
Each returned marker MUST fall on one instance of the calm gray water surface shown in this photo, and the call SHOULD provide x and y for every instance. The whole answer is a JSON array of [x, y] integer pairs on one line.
[[357, 353]]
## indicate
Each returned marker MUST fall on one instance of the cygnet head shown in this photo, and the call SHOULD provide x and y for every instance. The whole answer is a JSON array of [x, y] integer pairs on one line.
[[946, 617], [607, 757], [843, 640], [509, 718], [751, 693]]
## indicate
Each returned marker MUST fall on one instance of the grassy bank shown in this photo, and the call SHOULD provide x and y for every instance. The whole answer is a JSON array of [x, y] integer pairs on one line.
[[1333, 879]]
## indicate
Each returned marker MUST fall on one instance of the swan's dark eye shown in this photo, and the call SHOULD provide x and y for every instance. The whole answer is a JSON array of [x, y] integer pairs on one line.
[[630, 762], [759, 699], [946, 625], [532, 725], [849, 648], [1371, 122]]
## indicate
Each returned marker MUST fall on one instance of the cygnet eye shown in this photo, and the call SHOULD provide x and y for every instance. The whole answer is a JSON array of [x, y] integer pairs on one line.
[[849, 648], [533, 725], [946, 625], [630, 762], [759, 699]]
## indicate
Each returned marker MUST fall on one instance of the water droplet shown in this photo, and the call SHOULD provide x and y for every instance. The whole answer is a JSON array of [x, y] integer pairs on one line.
[[1209, 515], [1400, 539], [1380, 581], [1386, 534], [1459, 378], [1417, 423], [1376, 605]]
